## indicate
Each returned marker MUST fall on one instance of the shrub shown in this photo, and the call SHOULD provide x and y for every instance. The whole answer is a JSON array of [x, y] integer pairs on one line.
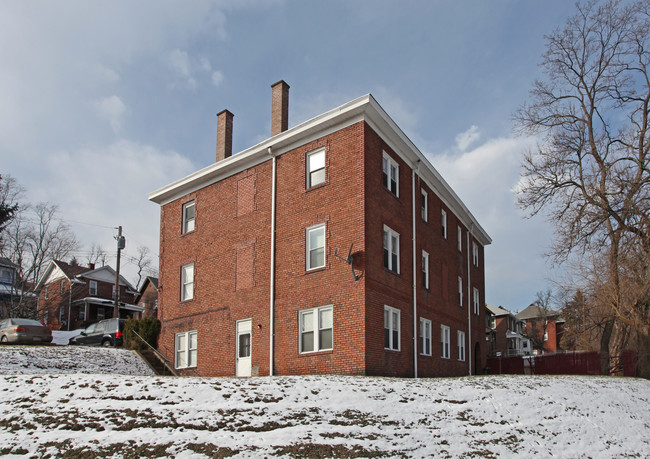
[[148, 328]]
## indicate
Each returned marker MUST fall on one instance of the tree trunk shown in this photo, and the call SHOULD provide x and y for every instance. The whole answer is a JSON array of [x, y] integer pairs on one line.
[[643, 355], [604, 347]]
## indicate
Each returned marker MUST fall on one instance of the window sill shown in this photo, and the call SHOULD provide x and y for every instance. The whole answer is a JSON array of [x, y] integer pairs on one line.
[[188, 233], [392, 272], [316, 270], [315, 187], [186, 301], [392, 350], [391, 193], [308, 354]]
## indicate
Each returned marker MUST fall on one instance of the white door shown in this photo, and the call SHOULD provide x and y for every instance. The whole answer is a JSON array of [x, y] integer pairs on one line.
[[243, 365]]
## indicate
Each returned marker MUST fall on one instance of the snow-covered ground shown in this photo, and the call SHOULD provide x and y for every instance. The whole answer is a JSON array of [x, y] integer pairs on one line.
[[123, 415]]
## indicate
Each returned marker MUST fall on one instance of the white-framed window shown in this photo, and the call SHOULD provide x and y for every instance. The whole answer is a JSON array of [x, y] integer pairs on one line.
[[62, 287], [476, 301], [113, 292], [425, 336], [444, 341], [82, 313], [475, 254], [391, 250], [425, 270], [188, 216], [391, 328], [443, 216], [545, 336], [315, 243], [315, 168], [461, 345], [424, 206], [316, 329], [460, 291], [460, 239], [47, 292], [187, 282], [92, 288], [390, 173], [186, 349]]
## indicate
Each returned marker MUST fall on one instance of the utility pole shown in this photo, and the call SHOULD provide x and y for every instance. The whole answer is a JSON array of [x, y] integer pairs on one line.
[[121, 243]]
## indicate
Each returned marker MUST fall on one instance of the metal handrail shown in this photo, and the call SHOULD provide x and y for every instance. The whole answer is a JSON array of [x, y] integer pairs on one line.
[[155, 351]]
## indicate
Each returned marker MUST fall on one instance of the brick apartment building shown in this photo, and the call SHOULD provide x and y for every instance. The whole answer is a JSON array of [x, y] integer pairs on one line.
[[255, 277]]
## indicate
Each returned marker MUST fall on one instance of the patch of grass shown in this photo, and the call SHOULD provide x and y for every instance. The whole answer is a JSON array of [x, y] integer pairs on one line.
[[315, 450], [210, 450]]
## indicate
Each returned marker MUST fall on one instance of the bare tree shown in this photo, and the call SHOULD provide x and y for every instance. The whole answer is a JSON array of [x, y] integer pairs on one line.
[[590, 174], [143, 262], [97, 255], [33, 238]]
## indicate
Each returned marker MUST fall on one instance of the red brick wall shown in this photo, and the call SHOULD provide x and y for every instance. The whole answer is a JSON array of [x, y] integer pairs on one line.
[[222, 226], [440, 302], [230, 249]]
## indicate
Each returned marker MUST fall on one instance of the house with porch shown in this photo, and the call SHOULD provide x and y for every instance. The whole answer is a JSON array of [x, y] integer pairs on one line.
[[505, 334], [71, 296]]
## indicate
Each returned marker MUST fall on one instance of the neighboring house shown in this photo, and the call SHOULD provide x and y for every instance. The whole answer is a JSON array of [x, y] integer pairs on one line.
[[15, 297], [7, 286], [148, 297], [71, 296], [505, 333], [543, 327], [255, 277]]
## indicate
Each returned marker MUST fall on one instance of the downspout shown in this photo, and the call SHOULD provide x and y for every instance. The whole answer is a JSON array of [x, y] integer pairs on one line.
[[272, 280], [415, 284], [470, 305]]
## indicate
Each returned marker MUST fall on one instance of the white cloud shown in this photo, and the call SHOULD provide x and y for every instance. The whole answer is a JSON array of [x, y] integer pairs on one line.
[[217, 78], [484, 178], [108, 187], [188, 71], [114, 109], [467, 138]]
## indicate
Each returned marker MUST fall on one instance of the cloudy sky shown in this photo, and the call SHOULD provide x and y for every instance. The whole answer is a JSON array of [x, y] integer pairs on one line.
[[103, 102]]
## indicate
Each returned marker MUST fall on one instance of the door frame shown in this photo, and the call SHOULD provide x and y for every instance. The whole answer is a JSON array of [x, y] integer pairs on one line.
[[239, 323]]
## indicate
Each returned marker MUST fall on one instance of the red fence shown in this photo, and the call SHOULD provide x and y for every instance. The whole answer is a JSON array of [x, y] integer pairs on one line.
[[569, 363]]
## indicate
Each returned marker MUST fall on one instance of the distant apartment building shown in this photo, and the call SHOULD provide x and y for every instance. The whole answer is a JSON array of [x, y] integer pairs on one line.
[[331, 247]]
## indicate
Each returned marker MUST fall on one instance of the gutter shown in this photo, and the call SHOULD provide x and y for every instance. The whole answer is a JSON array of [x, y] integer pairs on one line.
[[415, 284], [272, 278]]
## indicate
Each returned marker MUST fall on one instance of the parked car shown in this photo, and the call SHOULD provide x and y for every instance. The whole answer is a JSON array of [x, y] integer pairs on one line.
[[24, 331], [106, 332]]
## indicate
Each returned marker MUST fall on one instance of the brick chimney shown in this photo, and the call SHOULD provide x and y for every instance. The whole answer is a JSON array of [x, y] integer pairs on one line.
[[91, 266], [224, 135], [280, 108]]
